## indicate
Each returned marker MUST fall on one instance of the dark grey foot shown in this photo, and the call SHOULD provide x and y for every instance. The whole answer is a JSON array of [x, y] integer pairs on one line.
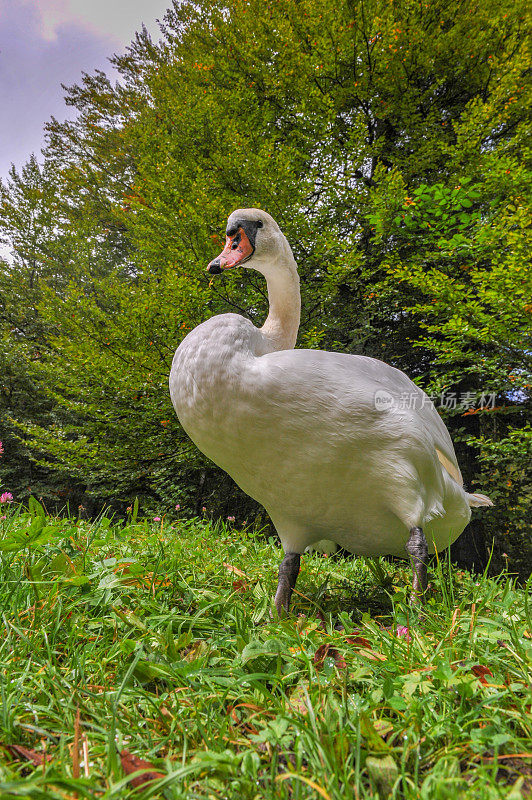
[[288, 572], [418, 550]]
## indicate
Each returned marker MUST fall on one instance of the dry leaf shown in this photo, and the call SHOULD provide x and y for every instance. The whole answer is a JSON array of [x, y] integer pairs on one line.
[[20, 753], [131, 764], [480, 672], [327, 650], [358, 641]]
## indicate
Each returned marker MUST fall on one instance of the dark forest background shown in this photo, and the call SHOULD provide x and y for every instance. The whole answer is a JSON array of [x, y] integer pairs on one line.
[[391, 142]]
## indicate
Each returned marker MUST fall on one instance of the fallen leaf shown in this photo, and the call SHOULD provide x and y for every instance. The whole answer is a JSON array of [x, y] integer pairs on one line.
[[339, 660], [480, 672], [20, 753], [131, 764], [358, 641], [321, 654], [326, 650]]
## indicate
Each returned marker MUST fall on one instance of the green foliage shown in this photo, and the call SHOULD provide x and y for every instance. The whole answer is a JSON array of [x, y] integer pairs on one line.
[[391, 143], [471, 274], [175, 657]]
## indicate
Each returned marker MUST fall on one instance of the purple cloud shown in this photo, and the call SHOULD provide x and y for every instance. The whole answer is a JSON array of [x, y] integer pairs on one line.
[[32, 69]]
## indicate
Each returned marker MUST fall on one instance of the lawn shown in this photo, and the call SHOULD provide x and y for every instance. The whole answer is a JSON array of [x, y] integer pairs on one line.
[[142, 659]]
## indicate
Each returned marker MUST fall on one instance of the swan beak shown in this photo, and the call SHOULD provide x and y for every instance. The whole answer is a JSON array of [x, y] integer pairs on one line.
[[237, 249]]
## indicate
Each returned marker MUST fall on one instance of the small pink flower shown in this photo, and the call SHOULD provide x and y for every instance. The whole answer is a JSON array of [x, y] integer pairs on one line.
[[156, 519], [204, 510], [177, 507], [1, 448], [2, 518], [402, 630], [7, 497], [230, 519], [129, 509]]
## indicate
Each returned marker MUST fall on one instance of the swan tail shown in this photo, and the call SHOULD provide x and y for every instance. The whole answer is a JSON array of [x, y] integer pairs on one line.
[[476, 500], [452, 469]]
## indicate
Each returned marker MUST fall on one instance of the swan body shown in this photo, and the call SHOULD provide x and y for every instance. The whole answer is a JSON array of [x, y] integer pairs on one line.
[[324, 441]]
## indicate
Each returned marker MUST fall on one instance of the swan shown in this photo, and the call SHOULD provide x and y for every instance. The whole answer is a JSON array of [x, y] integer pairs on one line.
[[324, 441]]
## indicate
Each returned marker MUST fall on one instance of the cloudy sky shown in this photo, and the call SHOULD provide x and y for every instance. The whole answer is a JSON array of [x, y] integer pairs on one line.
[[44, 43]]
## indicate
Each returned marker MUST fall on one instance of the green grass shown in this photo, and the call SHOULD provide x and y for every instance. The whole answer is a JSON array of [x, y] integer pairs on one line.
[[152, 633]]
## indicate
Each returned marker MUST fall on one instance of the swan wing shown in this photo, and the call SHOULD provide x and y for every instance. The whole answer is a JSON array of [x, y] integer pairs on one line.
[[332, 383]]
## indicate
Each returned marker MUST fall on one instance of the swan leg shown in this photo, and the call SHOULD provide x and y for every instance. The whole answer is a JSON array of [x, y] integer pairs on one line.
[[418, 550], [288, 572]]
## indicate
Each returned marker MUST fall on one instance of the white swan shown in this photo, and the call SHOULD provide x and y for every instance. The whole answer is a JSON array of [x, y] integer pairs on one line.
[[324, 441]]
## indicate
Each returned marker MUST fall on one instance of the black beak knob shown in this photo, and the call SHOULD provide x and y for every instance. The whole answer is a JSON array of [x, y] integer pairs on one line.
[[214, 267]]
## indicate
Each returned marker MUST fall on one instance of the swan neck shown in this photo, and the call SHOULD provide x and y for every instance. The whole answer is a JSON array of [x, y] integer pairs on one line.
[[282, 323]]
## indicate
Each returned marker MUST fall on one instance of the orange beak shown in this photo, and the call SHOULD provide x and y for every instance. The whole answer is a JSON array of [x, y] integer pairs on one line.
[[237, 249]]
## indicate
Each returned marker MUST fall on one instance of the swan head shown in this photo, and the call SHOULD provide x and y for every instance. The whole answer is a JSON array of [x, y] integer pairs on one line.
[[252, 238]]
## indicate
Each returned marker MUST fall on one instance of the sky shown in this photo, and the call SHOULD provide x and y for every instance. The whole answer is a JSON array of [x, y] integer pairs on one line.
[[44, 43]]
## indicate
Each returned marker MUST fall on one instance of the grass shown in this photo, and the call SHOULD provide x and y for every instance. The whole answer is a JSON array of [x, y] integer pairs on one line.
[[158, 640]]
